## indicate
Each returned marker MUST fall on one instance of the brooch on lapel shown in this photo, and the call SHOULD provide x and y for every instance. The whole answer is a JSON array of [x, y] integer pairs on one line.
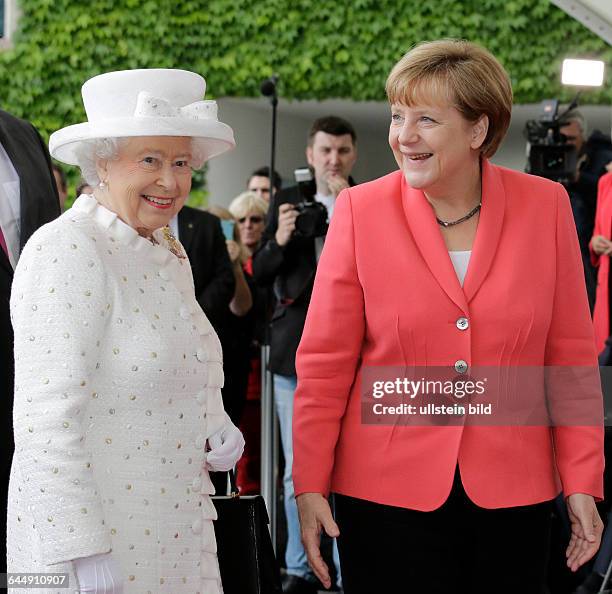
[[173, 243]]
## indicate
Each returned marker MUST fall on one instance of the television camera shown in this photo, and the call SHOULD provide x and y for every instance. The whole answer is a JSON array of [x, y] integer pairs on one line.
[[549, 154]]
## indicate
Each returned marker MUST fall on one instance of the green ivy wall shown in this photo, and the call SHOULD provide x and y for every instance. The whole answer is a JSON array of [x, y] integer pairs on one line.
[[321, 48]]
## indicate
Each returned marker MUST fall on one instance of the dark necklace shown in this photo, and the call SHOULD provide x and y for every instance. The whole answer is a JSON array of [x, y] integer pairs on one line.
[[469, 215]]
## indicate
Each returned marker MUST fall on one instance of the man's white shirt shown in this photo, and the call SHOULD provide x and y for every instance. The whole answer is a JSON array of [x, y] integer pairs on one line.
[[10, 211], [329, 202]]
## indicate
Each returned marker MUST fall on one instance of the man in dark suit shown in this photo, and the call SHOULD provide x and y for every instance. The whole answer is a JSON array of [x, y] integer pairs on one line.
[[28, 199], [289, 262], [201, 235]]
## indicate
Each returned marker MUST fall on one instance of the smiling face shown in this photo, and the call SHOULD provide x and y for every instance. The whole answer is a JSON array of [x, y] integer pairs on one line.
[[149, 181], [434, 145]]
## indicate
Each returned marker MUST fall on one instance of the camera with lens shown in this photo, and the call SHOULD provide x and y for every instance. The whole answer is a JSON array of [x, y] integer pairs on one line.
[[312, 218], [548, 152]]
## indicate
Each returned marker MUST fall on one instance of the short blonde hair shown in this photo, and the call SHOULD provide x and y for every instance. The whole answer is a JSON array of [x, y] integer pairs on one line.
[[225, 215], [246, 203], [459, 73]]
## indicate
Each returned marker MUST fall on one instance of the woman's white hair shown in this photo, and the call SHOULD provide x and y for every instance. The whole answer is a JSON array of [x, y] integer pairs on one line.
[[246, 203], [89, 152]]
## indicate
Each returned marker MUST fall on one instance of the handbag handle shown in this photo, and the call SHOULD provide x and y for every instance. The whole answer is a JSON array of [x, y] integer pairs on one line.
[[233, 488]]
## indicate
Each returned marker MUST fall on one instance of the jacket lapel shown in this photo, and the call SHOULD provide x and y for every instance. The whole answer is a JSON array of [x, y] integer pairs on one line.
[[429, 240], [489, 229], [20, 150]]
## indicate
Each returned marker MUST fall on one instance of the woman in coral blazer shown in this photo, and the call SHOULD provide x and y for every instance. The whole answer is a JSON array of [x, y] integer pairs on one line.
[[601, 245], [434, 266]]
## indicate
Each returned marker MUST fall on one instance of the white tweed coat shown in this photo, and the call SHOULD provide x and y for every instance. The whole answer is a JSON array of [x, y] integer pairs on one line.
[[117, 386]]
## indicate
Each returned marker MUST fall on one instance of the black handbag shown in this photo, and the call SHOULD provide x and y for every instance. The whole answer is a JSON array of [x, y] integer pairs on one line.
[[244, 547]]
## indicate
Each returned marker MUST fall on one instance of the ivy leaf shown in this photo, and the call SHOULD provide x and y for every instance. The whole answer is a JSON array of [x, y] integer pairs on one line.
[[342, 56]]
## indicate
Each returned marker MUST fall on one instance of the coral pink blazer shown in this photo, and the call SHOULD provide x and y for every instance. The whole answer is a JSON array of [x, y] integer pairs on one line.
[[386, 293], [603, 226]]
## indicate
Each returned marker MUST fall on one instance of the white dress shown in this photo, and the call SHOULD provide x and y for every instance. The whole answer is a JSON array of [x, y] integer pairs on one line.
[[117, 386]]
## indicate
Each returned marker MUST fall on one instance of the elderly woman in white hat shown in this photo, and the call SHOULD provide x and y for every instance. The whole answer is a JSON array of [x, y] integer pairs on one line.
[[118, 412]]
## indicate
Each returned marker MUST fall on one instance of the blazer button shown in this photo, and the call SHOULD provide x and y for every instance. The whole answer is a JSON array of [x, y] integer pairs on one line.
[[184, 312], [462, 324], [196, 527], [461, 366], [196, 484]]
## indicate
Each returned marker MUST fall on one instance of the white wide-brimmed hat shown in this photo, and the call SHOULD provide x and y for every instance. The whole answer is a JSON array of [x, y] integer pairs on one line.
[[151, 102]]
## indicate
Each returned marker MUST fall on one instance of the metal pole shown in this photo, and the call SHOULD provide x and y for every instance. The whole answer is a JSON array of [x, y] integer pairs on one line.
[[269, 424], [269, 443], [274, 102]]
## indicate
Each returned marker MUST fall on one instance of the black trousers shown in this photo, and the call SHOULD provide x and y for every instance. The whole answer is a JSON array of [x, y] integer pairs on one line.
[[459, 548]]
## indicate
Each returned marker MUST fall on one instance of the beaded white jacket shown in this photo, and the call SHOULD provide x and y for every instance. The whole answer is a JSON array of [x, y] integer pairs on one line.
[[117, 387]]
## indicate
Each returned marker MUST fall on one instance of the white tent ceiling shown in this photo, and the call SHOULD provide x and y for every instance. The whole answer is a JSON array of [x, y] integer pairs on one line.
[[596, 15]]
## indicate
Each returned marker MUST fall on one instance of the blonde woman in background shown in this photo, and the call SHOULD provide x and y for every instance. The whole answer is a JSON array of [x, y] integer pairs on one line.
[[250, 210]]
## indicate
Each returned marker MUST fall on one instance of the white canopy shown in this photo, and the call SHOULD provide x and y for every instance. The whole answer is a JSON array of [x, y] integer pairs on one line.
[[596, 15]]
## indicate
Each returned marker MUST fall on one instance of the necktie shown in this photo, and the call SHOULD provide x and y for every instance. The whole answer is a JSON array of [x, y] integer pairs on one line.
[[3, 243]]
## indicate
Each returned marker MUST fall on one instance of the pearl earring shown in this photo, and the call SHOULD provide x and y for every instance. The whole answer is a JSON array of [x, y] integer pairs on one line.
[[101, 185]]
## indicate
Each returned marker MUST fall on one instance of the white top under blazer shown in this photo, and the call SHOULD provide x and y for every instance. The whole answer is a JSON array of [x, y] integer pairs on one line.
[[461, 261]]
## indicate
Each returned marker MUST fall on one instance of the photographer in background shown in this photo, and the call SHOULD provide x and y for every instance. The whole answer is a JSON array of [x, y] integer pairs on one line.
[[288, 261], [592, 157]]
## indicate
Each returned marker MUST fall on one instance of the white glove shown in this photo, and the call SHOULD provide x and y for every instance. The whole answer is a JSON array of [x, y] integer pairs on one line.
[[226, 447], [98, 574]]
